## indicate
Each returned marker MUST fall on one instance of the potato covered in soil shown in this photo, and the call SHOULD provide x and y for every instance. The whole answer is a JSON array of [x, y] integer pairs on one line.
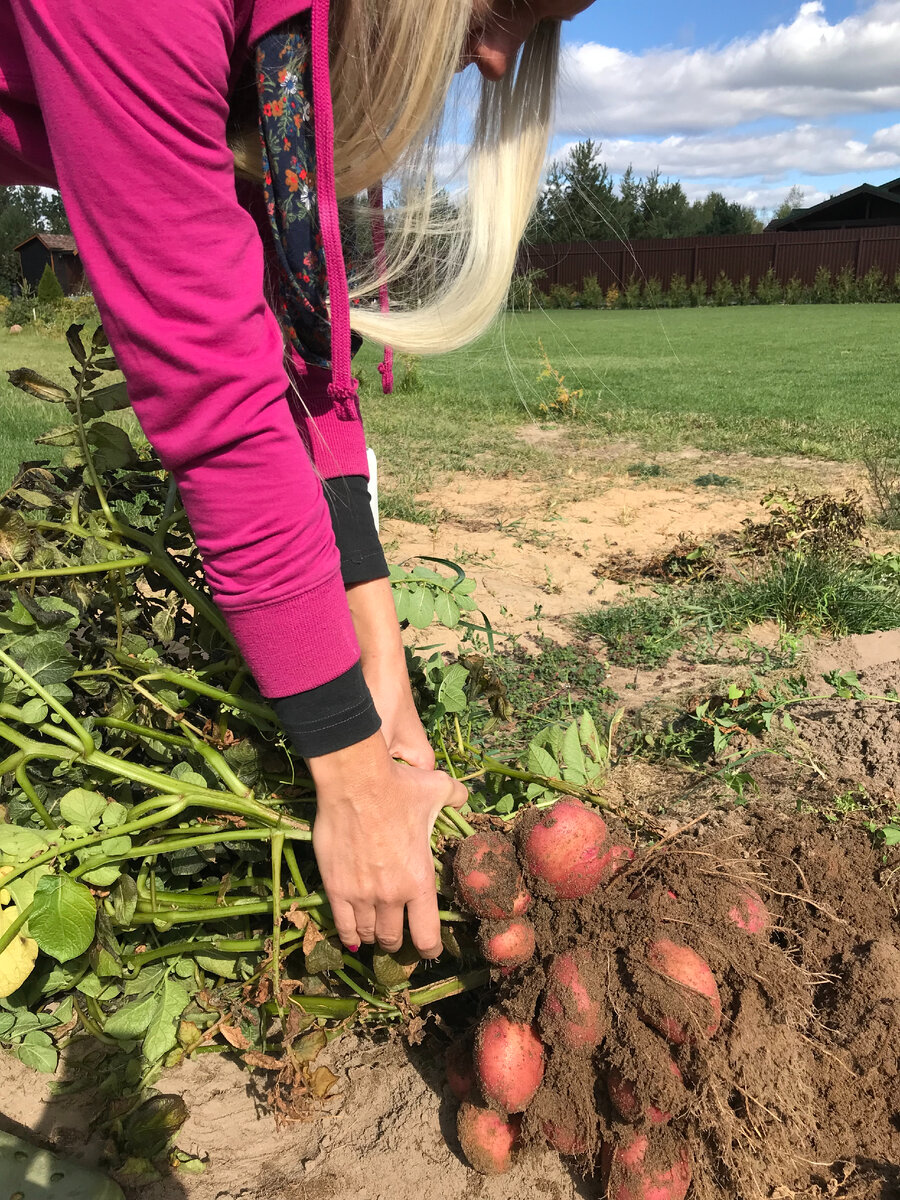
[[564, 849], [460, 1068], [628, 1103], [641, 1169], [748, 912], [488, 880], [685, 1000], [487, 1138], [507, 943], [572, 1015], [509, 1062]]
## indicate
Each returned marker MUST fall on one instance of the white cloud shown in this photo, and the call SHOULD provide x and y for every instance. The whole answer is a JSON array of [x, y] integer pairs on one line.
[[805, 149], [807, 70]]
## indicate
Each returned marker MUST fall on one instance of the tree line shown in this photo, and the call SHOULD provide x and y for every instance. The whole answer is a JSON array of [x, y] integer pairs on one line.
[[580, 201]]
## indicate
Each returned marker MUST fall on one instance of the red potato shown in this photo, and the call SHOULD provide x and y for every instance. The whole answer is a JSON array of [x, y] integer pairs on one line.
[[509, 1062], [564, 1139], [684, 967], [748, 911], [507, 943], [487, 1139], [487, 876], [460, 1069], [626, 1177], [614, 860], [564, 849], [623, 1094], [568, 1012]]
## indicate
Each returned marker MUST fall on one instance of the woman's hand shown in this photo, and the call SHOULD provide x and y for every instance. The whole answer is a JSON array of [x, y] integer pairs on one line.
[[372, 841], [384, 667]]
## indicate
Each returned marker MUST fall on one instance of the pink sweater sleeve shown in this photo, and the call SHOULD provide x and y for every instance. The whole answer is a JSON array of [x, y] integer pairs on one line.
[[133, 96]]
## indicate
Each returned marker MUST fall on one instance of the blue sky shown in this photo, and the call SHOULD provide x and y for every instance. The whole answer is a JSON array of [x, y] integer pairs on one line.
[[749, 98]]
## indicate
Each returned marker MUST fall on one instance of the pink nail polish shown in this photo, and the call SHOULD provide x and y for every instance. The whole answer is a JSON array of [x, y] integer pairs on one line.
[[353, 949]]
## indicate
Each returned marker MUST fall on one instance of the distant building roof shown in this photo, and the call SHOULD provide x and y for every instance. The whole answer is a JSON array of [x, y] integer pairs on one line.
[[52, 241], [865, 205]]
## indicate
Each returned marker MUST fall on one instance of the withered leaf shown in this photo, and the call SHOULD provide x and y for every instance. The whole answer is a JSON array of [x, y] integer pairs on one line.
[[321, 1082], [265, 1062], [297, 917], [233, 1036]]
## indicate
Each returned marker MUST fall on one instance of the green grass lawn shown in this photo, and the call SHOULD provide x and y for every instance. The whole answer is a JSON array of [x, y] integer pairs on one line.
[[813, 380]]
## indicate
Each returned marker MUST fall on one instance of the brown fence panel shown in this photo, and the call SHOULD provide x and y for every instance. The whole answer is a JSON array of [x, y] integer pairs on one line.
[[790, 255]]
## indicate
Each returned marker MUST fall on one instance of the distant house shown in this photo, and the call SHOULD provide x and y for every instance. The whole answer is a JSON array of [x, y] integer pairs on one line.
[[57, 249], [864, 207]]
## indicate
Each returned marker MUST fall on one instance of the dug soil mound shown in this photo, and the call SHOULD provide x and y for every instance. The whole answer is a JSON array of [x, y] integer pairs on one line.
[[750, 989]]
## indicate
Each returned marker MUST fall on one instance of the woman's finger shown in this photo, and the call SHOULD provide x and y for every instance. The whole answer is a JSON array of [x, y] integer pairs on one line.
[[389, 927], [345, 924], [365, 922], [425, 924]]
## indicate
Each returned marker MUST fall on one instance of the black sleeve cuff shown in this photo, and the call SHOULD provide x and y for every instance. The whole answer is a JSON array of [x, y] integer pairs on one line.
[[362, 557], [330, 717]]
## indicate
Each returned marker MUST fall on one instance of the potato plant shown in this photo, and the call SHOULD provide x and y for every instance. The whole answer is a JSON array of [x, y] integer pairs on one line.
[[158, 891]]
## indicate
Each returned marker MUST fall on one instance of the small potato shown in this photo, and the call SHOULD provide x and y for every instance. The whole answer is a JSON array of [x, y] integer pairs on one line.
[[488, 881], [487, 1138], [507, 943]]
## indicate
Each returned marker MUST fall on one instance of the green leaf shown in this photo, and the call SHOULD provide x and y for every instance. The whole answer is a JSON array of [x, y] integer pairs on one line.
[[590, 738], [81, 807], [540, 762], [124, 900], [450, 692], [38, 1052], [575, 766], [132, 1019], [150, 1126], [446, 610], [324, 956], [63, 918], [18, 844], [114, 814], [420, 611], [163, 625], [401, 602], [61, 435], [116, 845], [65, 1010], [218, 964], [106, 966], [162, 1034], [34, 712], [891, 835], [186, 774], [38, 385], [113, 445], [114, 397]]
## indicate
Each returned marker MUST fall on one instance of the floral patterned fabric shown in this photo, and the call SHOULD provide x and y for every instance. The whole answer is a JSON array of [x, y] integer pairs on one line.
[[284, 83]]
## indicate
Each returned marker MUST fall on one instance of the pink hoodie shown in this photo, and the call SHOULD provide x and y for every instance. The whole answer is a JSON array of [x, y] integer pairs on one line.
[[99, 98]]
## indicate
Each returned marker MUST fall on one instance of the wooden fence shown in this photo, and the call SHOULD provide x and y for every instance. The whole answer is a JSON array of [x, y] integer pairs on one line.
[[790, 255]]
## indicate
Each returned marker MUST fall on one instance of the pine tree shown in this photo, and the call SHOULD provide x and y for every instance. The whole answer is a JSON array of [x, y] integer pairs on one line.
[[49, 289]]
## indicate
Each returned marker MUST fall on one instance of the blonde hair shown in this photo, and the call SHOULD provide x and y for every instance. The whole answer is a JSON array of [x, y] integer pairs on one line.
[[392, 73]]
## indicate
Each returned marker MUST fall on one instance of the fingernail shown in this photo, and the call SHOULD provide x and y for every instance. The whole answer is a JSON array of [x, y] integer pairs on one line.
[[353, 949]]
